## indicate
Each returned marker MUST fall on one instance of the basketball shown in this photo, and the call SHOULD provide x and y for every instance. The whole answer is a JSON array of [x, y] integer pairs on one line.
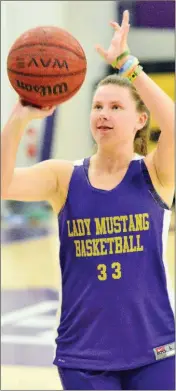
[[46, 66]]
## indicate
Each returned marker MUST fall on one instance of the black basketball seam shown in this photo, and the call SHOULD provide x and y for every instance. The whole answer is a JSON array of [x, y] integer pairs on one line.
[[48, 45], [58, 75]]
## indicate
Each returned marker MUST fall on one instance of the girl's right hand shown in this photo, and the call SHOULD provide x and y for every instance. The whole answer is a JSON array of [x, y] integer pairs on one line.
[[28, 113]]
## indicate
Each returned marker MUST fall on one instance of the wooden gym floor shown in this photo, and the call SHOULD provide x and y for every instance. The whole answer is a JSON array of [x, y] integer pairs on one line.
[[30, 281]]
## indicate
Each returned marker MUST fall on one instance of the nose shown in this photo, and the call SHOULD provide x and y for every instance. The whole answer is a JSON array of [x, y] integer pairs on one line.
[[104, 115]]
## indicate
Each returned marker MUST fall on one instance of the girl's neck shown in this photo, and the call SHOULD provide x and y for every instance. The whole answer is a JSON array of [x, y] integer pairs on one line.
[[106, 160]]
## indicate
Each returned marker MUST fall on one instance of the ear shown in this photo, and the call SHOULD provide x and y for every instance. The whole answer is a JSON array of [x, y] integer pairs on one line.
[[142, 119]]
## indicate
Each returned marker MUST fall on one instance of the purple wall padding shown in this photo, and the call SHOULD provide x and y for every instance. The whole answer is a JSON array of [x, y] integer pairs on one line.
[[149, 13], [157, 14]]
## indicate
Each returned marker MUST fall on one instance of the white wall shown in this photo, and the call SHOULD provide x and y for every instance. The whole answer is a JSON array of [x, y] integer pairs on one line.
[[152, 44], [88, 22]]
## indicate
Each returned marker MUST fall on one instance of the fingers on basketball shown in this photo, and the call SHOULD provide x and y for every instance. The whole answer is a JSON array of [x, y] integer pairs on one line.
[[45, 111]]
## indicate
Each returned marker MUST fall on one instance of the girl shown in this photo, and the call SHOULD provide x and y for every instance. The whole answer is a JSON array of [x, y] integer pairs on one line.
[[117, 325]]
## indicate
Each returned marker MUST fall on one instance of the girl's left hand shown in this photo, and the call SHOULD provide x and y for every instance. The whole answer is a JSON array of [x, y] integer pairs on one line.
[[118, 44]]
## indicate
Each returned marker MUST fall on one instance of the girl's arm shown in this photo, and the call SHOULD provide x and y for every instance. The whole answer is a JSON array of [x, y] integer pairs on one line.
[[161, 107], [159, 104]]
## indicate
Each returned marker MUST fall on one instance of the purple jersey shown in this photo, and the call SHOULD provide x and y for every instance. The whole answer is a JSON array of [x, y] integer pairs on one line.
[[116, 311]]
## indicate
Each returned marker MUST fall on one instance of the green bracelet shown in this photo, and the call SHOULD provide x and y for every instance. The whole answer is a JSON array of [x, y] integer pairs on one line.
[[124, 54], [136, 72]]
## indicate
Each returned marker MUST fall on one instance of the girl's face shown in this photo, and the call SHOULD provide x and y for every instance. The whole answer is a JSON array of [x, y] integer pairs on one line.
[[114, 119]]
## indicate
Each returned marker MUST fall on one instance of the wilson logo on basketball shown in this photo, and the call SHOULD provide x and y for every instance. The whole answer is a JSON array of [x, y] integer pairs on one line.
[[52, 63], [57, 89]]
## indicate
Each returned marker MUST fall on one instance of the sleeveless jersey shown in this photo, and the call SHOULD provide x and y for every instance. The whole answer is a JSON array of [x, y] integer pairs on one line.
[[116, 311]]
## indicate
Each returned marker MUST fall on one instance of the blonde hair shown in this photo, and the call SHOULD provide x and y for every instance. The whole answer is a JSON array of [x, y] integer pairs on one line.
[[141, 137]]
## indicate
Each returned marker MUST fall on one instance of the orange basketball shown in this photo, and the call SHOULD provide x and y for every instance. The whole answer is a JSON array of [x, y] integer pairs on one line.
[[46, 66]]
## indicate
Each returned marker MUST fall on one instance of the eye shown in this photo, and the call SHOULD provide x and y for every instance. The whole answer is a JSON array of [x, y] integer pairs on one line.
[[115, 107], [97, 106]]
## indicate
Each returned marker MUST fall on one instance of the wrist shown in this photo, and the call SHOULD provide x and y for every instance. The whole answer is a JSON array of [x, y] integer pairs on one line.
[[130, 69], [128, 66], [121, 58], [123, 61], [20, 116]]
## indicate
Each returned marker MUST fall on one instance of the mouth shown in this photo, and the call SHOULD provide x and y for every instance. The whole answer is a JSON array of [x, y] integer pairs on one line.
[[104, 128]]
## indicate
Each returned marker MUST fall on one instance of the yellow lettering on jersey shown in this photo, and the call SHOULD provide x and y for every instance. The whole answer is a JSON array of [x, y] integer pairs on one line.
[[100, 226], [110, 241], [83, 250], [117, 225], [118, 245], [132, 247], [69, 230], [145, 221], [139, 222], [95, 247], [80, 227], [139, 247], [117, 270], [124, 219], [75, 231], [87, 224], [103, 250], [103, 272], [126, 248], [78, 248], [131, 224], [89, 247], [109, 225]]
